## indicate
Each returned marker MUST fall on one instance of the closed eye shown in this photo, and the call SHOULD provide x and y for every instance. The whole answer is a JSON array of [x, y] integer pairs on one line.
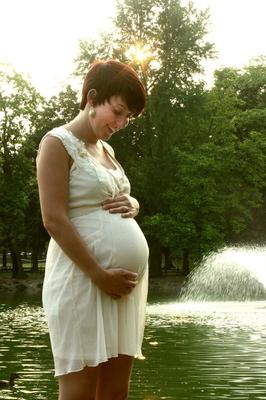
[[118, 112], [121, 114]]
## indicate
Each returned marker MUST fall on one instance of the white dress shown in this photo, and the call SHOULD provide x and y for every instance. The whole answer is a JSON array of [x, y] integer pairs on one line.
[[87, 326]]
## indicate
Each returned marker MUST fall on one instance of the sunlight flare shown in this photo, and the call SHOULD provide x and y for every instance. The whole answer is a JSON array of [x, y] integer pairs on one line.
[[139, 53]]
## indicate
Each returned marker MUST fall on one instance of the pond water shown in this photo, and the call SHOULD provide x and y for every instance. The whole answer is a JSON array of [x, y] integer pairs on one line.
[[193, 351]]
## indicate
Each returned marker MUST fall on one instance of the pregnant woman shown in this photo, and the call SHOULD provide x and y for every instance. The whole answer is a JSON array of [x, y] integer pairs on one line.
[[95, 285]]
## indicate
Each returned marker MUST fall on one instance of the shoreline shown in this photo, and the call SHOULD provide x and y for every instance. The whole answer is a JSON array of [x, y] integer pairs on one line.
[[25, 285], [166, 285]]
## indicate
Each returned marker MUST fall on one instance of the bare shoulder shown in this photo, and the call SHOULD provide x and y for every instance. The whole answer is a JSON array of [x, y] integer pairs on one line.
[[53, 177], [52, 171], [52, 150]]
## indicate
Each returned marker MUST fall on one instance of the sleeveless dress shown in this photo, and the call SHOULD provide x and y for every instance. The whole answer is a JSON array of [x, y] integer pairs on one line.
[[87, 326]]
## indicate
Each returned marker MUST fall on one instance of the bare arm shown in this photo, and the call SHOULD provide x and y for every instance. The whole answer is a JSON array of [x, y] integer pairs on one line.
[[53, 175]]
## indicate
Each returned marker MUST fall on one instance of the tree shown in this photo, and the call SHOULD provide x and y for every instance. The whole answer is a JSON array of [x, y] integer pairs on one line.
[[247, 116], [174, 38], [19, 102], [186, 155], [57, 111]]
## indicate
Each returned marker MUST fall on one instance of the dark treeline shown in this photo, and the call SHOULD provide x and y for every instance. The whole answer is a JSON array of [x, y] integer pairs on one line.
[[196, 158]]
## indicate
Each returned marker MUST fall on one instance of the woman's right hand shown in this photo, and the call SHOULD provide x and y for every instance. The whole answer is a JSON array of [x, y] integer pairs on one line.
[[116, 282]]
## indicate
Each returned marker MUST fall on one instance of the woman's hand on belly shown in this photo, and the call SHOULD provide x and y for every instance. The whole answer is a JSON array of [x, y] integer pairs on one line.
[[124, 204], [115, 282]]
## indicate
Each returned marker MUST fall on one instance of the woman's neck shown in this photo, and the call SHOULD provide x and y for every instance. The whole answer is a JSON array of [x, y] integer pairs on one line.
[[81, 128]]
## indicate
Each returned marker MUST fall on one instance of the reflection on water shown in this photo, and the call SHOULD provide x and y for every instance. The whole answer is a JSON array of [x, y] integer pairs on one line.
[[221, 315], [193, 351], [25, 350], [207, 351]]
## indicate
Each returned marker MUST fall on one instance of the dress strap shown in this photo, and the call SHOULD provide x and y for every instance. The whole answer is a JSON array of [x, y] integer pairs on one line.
[[66, 139]]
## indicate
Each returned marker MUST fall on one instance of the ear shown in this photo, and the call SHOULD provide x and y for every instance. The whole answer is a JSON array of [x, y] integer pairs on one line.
[[91, 96]]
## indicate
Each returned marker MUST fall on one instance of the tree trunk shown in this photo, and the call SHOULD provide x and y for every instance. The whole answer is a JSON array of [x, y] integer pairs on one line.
[[17, 268], [155, 259], [34, 260], [168, 265], [185, 262], [4, 260]]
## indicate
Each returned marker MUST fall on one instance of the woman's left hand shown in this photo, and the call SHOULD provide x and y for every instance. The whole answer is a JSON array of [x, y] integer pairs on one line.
[[124, 204]]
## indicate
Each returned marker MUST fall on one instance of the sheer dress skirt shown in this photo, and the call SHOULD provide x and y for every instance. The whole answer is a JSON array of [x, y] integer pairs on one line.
[[86, 326]]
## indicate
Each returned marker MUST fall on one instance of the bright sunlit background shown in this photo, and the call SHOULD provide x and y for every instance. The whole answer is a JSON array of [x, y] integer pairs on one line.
[[40, 37]]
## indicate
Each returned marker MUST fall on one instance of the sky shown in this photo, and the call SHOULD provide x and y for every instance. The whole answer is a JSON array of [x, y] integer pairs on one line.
[[40, 37]]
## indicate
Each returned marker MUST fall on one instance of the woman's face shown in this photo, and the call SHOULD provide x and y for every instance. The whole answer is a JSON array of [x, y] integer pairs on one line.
[[110, 117]]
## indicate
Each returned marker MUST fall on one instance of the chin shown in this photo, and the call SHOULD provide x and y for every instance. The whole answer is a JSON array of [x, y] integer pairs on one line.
[[106, 136]]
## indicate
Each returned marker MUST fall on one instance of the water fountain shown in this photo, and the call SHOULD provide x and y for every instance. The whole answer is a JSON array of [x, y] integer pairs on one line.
[[231, 274], [223, 290]]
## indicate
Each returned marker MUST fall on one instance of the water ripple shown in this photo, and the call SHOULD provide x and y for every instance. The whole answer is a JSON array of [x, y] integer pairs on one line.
[[193, 351]]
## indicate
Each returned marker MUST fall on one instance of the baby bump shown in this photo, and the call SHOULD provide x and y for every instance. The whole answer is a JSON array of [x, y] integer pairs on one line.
[[127, 242], [117, 242]]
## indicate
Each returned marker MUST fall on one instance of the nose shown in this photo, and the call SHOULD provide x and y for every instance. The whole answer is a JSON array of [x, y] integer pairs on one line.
[[122, 122]]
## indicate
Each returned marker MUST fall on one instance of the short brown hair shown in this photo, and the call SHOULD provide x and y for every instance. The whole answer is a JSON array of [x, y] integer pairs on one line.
[[113, 78]]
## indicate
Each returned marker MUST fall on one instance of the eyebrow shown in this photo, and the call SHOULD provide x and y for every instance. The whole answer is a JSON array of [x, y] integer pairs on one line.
[[122, 105], [125, 108]]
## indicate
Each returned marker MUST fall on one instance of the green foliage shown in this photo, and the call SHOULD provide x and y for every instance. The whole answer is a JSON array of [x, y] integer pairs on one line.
[[196, 158], [24, 118], [57, 111], [175, 36], [19, 102]]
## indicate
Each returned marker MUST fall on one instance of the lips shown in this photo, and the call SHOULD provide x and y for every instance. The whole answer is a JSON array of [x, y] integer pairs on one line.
[[111, 131]]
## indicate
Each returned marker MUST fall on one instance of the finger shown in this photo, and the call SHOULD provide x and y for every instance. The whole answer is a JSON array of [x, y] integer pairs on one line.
[[122, 196], [108, 201], [121, 210], [118, 210], [129, 214], [123, 203], [117, 204], [125, 273], [132, 276], [114, 204], [132, 284], [116, 198], [108, 205]]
